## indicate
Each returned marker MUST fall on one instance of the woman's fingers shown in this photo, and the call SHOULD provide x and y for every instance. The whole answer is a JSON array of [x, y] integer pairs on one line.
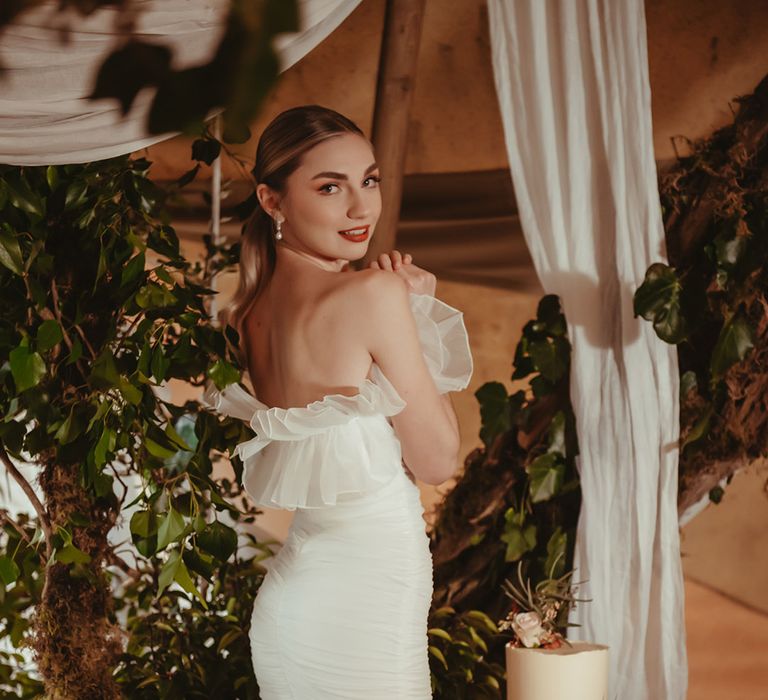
[[391, 261]]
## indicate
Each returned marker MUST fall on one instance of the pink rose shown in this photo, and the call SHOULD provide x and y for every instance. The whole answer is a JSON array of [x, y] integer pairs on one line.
[[527, 627]]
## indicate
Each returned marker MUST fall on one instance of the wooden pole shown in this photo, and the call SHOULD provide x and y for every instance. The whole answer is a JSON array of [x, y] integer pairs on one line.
[[403, 21]]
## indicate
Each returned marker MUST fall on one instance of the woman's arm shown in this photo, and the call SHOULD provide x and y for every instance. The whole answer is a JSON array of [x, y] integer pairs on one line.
[[427, 427]]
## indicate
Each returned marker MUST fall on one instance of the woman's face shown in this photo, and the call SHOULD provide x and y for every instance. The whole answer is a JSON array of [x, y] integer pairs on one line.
[[335, 189]]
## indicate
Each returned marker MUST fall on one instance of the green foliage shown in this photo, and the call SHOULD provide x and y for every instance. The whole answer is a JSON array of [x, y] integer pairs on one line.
[[711, 300], [459, 646], [21, 573], [179, 650], [99, 310], [515, 505], [658, 300]]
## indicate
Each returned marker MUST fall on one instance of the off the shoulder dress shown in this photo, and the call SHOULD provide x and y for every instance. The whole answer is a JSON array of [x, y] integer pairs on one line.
[[342, 611]]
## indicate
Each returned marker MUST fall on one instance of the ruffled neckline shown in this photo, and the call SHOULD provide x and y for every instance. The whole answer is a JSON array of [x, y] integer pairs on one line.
[[375, 395], [445, 345]]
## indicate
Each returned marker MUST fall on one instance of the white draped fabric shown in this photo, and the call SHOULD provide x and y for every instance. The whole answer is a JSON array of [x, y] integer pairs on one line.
[[572, 83], [45, 116]]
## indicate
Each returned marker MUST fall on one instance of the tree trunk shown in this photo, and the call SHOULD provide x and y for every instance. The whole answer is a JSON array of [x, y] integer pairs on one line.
[[76, 646]]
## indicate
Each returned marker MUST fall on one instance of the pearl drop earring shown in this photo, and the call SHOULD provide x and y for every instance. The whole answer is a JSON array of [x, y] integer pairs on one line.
[[278, 233]]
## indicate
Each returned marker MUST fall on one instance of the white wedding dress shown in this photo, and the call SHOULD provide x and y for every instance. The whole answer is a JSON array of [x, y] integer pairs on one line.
[[342, 611]]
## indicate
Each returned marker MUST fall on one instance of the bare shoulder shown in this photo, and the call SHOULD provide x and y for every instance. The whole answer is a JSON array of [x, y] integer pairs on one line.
[[377, 299]]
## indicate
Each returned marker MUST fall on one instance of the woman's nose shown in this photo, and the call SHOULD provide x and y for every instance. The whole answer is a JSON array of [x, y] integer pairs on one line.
[[359, 206]]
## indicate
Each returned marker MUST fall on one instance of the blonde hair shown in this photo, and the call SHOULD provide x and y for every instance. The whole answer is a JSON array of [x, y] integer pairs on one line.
[[281, 147]]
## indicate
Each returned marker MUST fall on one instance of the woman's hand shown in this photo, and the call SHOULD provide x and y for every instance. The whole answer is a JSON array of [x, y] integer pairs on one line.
[[418, 280]]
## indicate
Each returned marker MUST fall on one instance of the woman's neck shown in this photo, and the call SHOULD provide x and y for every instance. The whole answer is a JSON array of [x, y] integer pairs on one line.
[[301, 258]]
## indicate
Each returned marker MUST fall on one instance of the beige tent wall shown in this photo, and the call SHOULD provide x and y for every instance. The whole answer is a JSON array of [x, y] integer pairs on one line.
[[702, 53]]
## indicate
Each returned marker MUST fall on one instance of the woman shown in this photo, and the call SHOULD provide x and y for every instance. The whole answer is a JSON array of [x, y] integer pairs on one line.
[[348, 370]]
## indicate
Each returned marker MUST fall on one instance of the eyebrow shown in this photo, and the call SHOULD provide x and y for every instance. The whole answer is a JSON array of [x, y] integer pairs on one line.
[[342, 176]]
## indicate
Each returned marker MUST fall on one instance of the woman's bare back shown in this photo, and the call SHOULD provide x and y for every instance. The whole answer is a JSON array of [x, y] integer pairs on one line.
[[301, 339]]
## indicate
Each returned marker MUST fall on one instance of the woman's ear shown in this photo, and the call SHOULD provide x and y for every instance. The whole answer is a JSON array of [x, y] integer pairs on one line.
[[268, 199]]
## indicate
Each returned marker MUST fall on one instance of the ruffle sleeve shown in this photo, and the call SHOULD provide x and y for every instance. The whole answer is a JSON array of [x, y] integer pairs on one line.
[[444, 342], [311, 456]]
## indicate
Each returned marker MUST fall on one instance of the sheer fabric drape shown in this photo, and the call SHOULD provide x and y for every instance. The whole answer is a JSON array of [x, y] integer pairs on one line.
[[572, 83], [45, 116]]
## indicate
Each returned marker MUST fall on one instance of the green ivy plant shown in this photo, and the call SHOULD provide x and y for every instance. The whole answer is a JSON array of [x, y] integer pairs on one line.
[[711, 299], [516, 504], [100, 310]]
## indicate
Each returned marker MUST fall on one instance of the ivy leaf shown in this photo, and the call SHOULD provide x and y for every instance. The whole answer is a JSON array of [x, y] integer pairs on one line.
[[48, 335], [218, 539], [494, 410], [554, 566], [546, 475], [10, 252], [551, 316], [658, 300], [735, 341], [27, 368], [519, 536], [548, 359]]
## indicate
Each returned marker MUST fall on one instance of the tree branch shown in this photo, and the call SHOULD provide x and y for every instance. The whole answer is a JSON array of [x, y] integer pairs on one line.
[[4, 517], [31, 495]]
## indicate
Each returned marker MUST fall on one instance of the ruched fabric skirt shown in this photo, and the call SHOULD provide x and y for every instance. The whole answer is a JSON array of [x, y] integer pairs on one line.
[[342, 611]]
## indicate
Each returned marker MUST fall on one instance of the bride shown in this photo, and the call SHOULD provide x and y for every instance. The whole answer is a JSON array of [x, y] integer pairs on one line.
[[350, 374]]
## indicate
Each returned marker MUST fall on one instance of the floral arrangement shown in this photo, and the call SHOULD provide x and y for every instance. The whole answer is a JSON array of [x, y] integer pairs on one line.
[[538, 617]]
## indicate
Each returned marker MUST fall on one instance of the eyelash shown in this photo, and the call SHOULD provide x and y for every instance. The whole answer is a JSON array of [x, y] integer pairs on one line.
[[333, 184]]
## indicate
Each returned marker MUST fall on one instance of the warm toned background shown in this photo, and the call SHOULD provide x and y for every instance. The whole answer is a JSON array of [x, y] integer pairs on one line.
[[459, 219]]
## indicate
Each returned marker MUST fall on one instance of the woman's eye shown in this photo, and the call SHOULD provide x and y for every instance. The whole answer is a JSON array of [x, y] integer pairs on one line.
[[374, 178], [324, 187]]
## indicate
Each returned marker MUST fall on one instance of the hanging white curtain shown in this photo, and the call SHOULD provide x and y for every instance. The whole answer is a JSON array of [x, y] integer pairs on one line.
[[572, 83], [45, 116]]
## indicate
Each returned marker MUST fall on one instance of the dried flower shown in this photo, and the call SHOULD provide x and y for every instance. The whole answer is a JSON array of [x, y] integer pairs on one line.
[[528, 628], [539, 617]]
